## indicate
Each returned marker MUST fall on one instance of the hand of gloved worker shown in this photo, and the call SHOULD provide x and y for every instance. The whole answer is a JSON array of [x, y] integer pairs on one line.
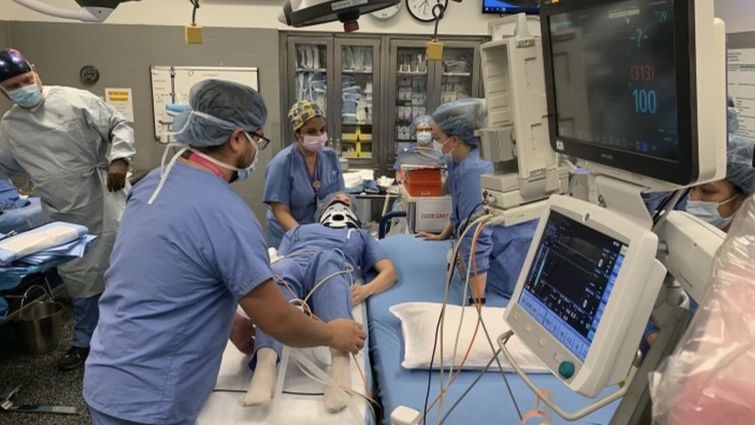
[[359, 293], [242, 334], [116, 175], [348, 335]]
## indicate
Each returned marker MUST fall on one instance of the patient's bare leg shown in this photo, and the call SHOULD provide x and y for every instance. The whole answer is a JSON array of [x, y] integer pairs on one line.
[[261, 387], [340, 373]]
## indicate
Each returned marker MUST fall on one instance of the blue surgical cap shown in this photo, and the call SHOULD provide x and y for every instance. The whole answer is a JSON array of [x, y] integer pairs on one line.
[[739, 157], [12, 64], [462, 118], [218, 108], [422, 119]]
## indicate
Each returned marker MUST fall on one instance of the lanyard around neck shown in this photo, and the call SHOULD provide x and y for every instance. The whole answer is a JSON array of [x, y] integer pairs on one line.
[[214, 169]]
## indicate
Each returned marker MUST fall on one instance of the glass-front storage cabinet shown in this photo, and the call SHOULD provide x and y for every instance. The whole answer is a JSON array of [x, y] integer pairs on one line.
[[373, 86]]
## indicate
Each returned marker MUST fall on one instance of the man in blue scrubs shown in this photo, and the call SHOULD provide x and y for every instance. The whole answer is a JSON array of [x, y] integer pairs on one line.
[[500, 251], [301, 175], [189, 251]]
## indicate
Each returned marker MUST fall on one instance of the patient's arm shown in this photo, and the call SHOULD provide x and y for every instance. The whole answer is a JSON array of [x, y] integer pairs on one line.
[[443, 235], [283, 214], [385, 279]]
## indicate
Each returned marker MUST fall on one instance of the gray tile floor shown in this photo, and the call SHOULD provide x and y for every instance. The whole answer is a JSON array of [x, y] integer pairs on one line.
[[42, 382]]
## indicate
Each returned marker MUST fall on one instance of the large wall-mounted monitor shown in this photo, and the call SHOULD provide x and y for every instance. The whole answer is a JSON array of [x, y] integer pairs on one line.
[[501, 7], [637, 85]]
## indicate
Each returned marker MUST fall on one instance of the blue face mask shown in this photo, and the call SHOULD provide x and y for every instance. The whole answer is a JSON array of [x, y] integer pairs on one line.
[[245, 173], [27, 96], [708, 212]]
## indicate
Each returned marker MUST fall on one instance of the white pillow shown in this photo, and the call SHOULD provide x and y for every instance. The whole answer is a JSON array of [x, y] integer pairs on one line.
[[418, 322]]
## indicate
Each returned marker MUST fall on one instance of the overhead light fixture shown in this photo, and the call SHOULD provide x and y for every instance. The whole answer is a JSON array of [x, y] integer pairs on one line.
[[89, 10], [304, 13]]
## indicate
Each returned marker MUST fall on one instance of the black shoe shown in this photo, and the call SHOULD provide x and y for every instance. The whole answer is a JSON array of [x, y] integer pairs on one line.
[[73, 359]]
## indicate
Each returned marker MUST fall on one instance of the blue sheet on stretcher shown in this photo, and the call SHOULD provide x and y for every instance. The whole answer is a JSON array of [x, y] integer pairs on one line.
[[23, 218], [421, 269]]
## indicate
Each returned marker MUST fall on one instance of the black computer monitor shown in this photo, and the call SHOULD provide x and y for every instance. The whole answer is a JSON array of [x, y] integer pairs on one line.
[[510, 6], [620, 84]]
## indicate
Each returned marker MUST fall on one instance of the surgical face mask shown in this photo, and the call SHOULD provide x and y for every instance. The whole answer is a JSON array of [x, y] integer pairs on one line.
[[241, 173], [424, 138], [443, 146], [314, 143], [244, 173], [708, 212], [27, 96]]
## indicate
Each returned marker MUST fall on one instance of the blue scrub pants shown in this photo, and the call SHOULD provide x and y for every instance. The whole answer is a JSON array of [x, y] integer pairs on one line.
[[99, 418], [332, 300], [86, 312]]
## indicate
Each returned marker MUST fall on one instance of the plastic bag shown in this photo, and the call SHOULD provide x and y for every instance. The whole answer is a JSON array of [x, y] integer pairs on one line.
[[710, 377]]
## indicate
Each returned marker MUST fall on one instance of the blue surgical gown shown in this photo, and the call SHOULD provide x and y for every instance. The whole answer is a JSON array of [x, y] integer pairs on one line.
[[287, 182], [312, 252], [178, 269], [417, 155], [500, 250]]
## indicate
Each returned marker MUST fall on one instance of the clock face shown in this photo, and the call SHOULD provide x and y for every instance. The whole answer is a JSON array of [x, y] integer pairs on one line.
[[388, 12], [89, 74], [422, 10]]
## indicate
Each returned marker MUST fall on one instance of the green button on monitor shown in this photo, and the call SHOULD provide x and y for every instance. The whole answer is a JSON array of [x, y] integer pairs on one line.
[[566, 369]]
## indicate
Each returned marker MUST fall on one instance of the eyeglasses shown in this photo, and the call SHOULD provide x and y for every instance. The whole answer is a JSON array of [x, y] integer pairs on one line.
[[262, 141]]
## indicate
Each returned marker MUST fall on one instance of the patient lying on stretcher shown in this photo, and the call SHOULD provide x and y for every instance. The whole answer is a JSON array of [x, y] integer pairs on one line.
[[316, 269]]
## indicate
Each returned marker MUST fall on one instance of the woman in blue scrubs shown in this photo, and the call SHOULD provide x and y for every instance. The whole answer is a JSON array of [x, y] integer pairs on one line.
[[421, 153], [302, 174], [500, 251]]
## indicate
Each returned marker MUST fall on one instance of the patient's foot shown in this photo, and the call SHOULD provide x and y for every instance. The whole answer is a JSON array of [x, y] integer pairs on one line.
[[261, 387], [340, 373]]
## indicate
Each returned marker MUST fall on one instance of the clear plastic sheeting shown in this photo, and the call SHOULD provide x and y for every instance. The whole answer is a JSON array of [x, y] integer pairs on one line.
[[710, 377]]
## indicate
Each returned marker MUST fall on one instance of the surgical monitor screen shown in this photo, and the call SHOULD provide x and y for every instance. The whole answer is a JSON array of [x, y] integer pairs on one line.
[[614, 82], [570, 280]]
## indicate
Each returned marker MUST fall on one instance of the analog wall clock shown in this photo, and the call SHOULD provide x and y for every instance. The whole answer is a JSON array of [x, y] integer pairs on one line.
[[422, 10], [388, 12]]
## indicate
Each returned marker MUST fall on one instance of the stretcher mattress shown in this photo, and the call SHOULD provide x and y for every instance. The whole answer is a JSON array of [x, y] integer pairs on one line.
[[421, 269], [298, 405]]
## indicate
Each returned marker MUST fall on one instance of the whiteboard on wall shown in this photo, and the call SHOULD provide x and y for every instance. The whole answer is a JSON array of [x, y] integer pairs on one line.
[[741, 88], [171, 84]]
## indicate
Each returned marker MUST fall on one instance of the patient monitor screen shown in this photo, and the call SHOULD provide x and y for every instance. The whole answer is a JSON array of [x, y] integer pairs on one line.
[[615, 77], [570, 280]]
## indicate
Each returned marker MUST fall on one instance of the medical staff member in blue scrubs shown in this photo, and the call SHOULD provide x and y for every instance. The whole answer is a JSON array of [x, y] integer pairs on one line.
[[421, 153], [319, 264], [302, 174], [500, 251], [188, 252]]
